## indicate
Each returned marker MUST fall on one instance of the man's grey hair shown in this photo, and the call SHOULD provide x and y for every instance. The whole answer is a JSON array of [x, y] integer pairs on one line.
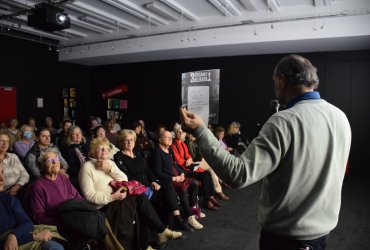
[[297, 70]]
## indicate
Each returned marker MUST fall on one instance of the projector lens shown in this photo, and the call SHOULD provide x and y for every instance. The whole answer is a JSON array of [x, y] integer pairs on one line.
[[61, 18]]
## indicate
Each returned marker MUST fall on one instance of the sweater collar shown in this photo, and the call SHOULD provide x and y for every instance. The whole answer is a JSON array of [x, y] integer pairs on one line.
[[305, 96]]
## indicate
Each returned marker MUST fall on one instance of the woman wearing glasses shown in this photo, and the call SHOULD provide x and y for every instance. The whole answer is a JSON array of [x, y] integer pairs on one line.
[[50, 190], [16, 175], [122, 210]]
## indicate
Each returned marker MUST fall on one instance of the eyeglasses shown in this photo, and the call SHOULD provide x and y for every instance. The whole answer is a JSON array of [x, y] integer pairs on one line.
[[105, 148], [52, 160], [129, 141], [4, 141]]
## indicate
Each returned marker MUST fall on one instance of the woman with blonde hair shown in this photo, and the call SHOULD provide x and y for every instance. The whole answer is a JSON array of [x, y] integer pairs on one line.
[[235, 140], [16, 175], [121, 209]]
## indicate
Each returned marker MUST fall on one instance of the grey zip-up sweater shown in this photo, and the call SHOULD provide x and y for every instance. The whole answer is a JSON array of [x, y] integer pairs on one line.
[[301, 155]]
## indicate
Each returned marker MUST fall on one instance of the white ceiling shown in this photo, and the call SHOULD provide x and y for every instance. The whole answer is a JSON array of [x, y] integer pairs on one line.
[[123, 31]]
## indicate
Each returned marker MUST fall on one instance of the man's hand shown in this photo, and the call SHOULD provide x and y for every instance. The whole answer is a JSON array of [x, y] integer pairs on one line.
[[11, 242], [189, 121]]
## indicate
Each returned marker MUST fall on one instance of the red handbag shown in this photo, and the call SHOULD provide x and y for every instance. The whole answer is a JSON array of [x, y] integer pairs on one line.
[[132, 187]]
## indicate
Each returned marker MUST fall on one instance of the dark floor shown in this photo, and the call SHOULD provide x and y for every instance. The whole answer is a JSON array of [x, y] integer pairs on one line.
[[235, 225]]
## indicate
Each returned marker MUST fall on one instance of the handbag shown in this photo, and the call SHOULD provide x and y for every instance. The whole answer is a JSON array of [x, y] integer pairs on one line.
[[181, 187], [132, 186]]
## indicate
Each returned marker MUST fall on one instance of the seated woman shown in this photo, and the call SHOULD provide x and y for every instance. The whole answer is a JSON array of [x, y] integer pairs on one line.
[[235, 140], [99, 132], [50, 190], [198, 158], [220, 135], [110, 133], [165, 171], [16, 228], [16, 175], [143, 144], [23, 145], [120, 209], [43, 143], [184, 160], [133, 165], [76, 153]]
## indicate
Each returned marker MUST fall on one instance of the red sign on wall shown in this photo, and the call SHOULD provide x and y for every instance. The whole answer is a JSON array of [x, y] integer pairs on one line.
[[116, 91], [8, 103]]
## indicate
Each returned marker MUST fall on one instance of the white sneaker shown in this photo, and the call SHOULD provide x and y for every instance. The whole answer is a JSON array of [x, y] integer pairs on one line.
[[194, 223], [168, 234], [201, 215]]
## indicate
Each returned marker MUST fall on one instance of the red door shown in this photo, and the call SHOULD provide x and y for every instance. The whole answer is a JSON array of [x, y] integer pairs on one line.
[[8, 103]]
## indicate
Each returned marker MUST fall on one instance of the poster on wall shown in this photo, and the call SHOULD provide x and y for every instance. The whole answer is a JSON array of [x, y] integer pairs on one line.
[[200, 93]]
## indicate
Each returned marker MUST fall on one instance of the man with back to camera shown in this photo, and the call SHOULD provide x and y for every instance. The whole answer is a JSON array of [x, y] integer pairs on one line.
[[300, 154]]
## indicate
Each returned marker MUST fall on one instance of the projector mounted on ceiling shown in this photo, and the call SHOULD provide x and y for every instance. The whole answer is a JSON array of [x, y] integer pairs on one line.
[[49, 18]]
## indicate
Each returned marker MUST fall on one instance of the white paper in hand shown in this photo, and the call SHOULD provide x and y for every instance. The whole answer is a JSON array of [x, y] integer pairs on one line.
[[198, 101]]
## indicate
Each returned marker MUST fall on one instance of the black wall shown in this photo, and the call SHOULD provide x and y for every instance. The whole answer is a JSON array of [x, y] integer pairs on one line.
[[245, 90], [36, 72], [154, 88]]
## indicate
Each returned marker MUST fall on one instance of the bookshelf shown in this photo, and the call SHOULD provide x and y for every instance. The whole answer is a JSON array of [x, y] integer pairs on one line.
[[70, 103]]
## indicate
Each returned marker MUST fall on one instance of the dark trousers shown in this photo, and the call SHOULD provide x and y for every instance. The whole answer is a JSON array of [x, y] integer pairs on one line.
[[148, 213], [206, 188], [270, 241]]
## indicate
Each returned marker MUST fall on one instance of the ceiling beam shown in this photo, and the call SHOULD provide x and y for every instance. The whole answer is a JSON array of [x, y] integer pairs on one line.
[[102, 15], [230, 6], [89, 26], [318, 3], [273, 5], [161, 10], [249, 5], [181, 9], [30, 30], [136, 11], [220, 7]]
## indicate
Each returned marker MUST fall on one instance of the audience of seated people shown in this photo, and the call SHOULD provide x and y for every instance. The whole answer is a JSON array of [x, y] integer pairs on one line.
[[191, 169], [16, 175], [121, 209], [164, 169], [190, 141], [132, 217], [134, 166], [16, 228]]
